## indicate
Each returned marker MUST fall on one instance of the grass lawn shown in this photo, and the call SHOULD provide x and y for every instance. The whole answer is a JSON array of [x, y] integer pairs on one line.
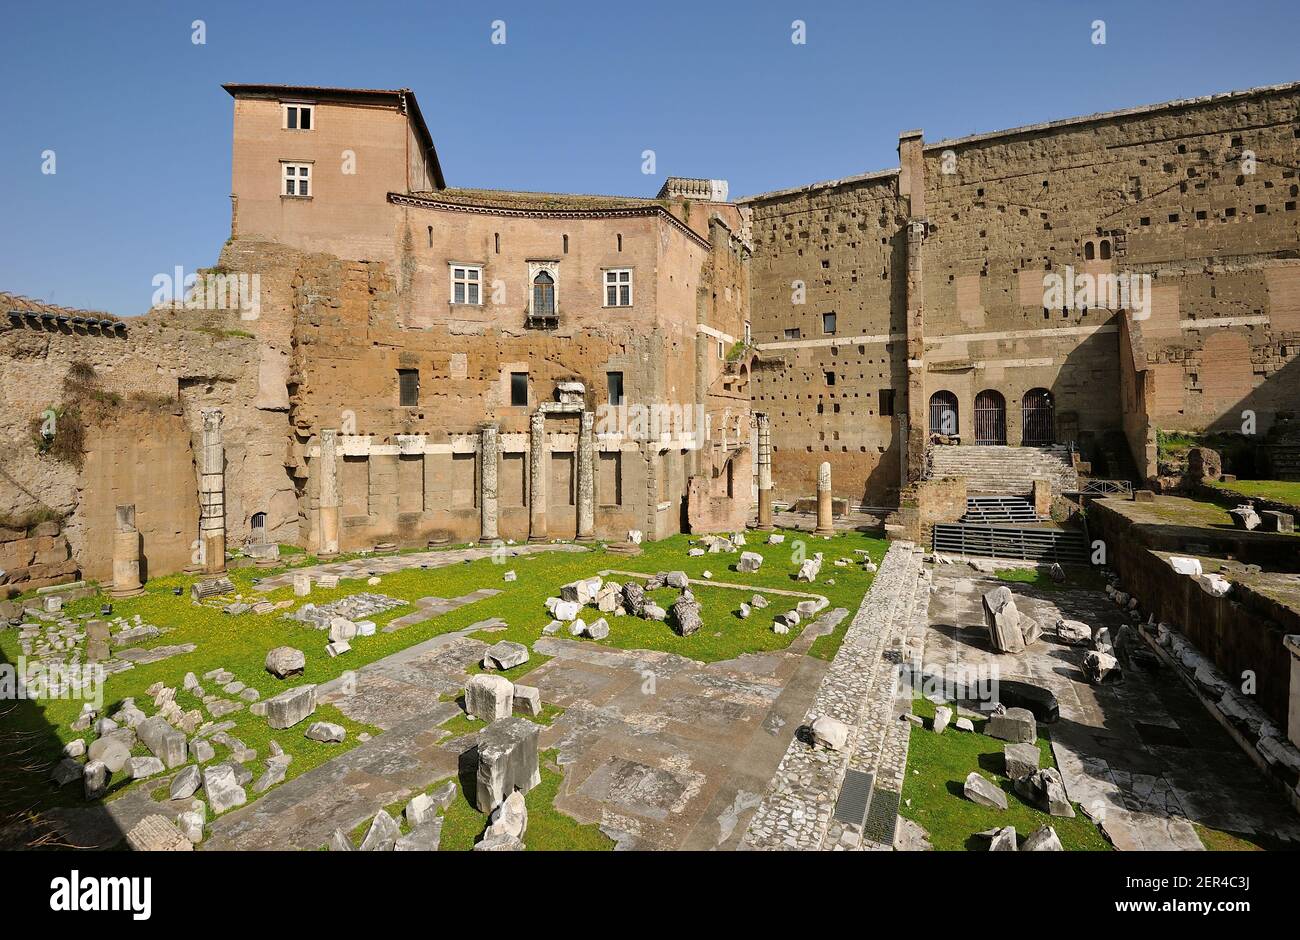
[[937, 766], [33, 733], [1077, 577], [1282, 491]]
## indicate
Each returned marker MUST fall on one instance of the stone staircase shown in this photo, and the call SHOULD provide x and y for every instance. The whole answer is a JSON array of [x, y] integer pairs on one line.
[[1004, 470]]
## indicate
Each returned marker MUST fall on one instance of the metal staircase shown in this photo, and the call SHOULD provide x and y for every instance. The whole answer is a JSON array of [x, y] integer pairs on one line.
[[1020, 543], [995, 510]]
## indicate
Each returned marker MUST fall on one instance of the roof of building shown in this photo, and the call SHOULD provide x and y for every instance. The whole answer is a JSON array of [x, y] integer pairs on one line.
[[402, 98], [17, 303], [514, 199], [553, 205]]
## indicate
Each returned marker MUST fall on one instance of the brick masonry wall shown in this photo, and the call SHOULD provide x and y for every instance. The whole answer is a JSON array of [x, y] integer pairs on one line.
[[845, 244]]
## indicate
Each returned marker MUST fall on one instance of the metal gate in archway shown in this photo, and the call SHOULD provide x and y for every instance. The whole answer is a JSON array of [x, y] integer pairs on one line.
[[943, 413], [1039, 421], [990, 418]]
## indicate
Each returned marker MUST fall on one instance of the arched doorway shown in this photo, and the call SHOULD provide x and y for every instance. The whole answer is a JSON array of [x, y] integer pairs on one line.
[[1039, 421], [943, 413], [990, 418]]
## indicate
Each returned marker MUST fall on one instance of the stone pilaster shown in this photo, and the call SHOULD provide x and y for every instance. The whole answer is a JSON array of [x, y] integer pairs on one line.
[[917, 419], [489, 450], [825, 526], [1292, 643], [327, 519], [126, 555], [537, 477], [212, 493], [586, 479], [764, 471]]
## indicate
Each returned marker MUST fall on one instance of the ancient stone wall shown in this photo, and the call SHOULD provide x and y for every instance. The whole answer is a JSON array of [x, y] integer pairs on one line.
[[1201, 197], [829, 311], [1195, 200], [136, 394]]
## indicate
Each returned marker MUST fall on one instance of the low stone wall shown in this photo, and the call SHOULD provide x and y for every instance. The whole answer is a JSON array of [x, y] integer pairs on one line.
[[1120, 523], [34, 557], [1240, 632]]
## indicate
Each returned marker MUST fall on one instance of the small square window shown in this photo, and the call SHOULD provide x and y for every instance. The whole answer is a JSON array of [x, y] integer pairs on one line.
[[519, 389], [295, 179], [618, 287], [828, 323], [299, 117], [466, 284], [408, 385], [792, 334]]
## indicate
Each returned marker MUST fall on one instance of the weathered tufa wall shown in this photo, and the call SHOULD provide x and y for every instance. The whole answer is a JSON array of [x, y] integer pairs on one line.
[[1199, 196], [840, 249]]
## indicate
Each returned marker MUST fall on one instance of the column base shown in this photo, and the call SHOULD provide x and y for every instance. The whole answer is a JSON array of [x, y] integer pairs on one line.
[[539, 538], [123, 593]]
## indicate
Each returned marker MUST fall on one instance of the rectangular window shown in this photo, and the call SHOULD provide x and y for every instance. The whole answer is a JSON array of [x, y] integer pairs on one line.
[[466, 284], [297, 179], [828, 323], [618, 288], [519, 389], [749, 336], [792, 334], [615, 384], [298, 117], [886, 403], [408, 387], [830, 378]]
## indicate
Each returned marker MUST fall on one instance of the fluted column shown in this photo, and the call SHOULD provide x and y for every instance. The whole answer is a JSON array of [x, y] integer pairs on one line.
[[212, 493], [537, 477], [586, 479], [489, 449], [764, 471], [327, 520]]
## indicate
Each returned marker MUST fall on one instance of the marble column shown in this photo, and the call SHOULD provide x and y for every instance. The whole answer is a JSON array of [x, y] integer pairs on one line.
[[327, 520], [764, 471], [824, 524], [489, 451], [586, 479], [537, 477], [212, 494], [126, 555]]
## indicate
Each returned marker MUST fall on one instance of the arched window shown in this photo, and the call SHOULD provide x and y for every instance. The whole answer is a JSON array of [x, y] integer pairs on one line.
[[1038, 422], [543, 295], [1105, 249], [943, 413], [990, 417], [1089, 252]]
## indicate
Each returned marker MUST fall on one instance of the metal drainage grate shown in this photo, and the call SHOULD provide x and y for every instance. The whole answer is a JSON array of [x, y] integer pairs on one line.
[[851, 807], [882, 820]]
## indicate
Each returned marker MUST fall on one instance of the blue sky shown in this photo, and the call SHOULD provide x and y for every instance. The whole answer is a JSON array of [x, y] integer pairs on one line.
[[134, 111]]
